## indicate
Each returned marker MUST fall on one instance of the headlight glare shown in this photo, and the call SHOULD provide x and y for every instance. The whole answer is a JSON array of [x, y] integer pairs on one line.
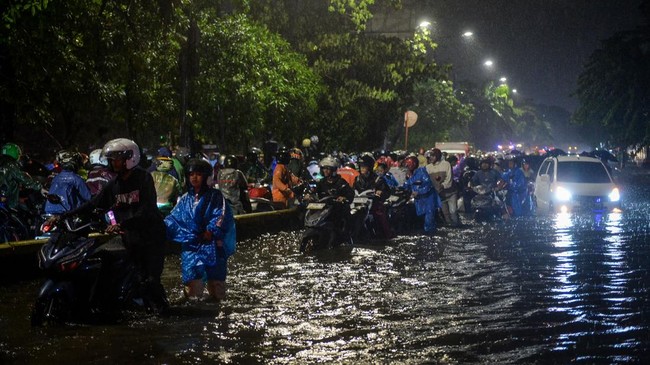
[[562, 194], [615, 195]]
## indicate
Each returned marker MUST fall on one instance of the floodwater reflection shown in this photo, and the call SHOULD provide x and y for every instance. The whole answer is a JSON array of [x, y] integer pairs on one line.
[[552, 289]]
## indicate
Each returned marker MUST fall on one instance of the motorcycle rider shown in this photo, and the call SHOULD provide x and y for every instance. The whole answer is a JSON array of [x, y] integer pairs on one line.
[[427, 201], [517, 186], [333, 185], [382, 170], [12, 178], [529, 174], [67, 184], [296, 162], [283, 181], [204, 225], [369, 180], [440, 173], [132, 198], [486, 175], [256, 171], [232, 183], [99, 174]]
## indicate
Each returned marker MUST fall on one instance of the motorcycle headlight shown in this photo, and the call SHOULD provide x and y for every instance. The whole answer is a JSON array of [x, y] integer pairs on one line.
[[615, 195], [562, 194]]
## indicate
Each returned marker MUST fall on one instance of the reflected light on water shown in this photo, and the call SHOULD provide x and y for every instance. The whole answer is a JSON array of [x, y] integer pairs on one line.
[[565, 267]]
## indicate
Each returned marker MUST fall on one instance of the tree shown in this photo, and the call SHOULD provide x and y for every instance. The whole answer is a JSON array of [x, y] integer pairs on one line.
[[612, 89], [370, 79], [249, 81], [440, 113], [87, 71]]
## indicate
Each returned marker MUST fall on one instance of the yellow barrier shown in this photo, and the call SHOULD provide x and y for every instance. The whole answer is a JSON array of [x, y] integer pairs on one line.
[[31, 246]]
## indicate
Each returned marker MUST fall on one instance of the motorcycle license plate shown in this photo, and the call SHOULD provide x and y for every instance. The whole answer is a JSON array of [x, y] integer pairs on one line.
[[360, 200], [315, 206]]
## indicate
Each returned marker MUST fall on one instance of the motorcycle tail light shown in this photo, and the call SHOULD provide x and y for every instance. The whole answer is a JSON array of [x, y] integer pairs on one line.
[[69, 266]]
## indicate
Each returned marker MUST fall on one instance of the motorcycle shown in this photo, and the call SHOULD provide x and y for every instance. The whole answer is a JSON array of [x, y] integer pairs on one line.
[[86, 277], [12, 227], [530, 205], [364, 223], [400, 210], [488, 203], [323, 228], [260, 197]]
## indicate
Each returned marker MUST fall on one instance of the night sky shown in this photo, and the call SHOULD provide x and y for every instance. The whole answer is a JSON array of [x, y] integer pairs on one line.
[[539, 45]]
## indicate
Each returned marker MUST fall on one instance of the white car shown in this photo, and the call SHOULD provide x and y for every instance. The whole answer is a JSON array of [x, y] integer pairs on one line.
[[570, 183]]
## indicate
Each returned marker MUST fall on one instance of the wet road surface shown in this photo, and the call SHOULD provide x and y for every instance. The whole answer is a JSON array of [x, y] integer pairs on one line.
[[555, 289]]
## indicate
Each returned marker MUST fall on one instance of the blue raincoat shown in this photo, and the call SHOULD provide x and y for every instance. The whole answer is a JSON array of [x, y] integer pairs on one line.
[[517, 189], [71, 188], [187, 221], [427, 201]]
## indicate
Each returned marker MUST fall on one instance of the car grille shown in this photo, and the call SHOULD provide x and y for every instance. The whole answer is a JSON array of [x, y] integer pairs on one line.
[[591, 202]]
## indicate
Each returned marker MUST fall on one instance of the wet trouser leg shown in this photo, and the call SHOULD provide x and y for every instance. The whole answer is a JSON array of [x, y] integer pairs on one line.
[[430, 222], [379, 212], [149, 258], [450, 210], [516, 204]]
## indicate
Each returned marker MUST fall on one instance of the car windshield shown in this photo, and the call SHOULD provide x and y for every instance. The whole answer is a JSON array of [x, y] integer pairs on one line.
[[582, 172]]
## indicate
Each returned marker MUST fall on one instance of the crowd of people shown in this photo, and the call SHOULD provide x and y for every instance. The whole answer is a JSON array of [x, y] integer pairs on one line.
[[192, 199]]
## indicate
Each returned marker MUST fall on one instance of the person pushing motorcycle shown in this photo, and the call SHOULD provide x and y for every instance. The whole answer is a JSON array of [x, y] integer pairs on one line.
[[132, 198]]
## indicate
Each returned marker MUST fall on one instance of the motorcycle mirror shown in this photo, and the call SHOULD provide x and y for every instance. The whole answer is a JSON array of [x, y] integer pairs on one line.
[[54, 199]]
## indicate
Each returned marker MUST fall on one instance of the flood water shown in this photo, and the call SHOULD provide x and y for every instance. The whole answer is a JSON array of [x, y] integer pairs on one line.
[[556, 289]]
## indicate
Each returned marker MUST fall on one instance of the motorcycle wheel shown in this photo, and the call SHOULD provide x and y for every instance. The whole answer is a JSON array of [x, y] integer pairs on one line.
[[308, 243], [52, 310]]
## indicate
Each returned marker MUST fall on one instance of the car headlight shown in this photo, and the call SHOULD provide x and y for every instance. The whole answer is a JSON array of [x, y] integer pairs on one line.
[[562, 194], [615, 195]]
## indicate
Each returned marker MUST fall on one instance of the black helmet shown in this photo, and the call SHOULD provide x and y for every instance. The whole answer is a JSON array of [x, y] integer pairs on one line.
[[198, 165], [367, 160], [254, 154], [69, 160], [230, 162], [486, 160], [435, 152], [512, 158], [284, 155]]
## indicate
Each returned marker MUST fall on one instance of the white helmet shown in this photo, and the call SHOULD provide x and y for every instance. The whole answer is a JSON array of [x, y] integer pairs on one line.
[[96, 158], [122, 148], [330, 162]]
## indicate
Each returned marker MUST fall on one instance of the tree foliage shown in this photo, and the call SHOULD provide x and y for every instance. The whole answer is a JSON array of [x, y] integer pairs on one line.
[[216, 71], [613, 90], [86, 71], [249, 81]]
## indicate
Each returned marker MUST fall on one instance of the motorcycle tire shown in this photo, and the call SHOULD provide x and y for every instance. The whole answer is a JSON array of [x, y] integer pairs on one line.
[[308, 243], [52, 310]]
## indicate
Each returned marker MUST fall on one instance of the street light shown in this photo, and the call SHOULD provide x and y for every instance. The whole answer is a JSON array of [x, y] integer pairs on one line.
[[425, 24], [488, 63], [503, 79], [468, 34], [514, 91]]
